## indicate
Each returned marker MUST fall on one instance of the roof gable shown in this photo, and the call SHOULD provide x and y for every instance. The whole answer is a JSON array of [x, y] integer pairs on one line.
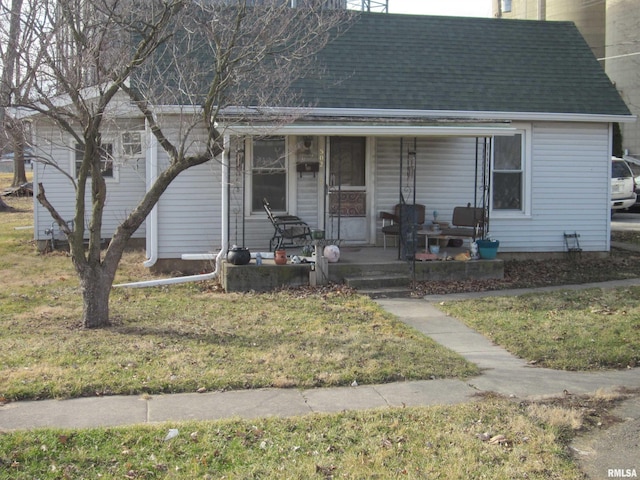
[[461, 64]]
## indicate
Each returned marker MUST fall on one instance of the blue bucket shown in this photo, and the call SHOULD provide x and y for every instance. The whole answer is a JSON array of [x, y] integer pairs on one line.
[[488, 249]]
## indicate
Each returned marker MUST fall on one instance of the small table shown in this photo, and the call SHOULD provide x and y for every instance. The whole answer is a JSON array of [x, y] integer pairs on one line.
[[433, 233]]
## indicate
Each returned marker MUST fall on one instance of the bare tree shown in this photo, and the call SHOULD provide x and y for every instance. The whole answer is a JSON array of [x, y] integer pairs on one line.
[[12, 83], [207, 55]]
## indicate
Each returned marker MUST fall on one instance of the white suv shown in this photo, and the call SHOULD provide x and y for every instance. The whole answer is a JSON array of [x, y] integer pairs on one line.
[[623, 185]]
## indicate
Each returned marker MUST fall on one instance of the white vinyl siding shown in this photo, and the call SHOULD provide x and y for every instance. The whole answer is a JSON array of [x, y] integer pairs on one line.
[[570, 191], [445, 175], [122, 196], [567, 174], [189, 214], [189, 211], [567, 189]]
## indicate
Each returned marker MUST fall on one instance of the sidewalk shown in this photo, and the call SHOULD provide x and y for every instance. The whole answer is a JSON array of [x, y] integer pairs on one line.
[[502, 373]]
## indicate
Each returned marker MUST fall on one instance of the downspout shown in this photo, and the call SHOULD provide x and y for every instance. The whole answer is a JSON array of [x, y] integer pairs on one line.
[[152, 219], [225, 236]]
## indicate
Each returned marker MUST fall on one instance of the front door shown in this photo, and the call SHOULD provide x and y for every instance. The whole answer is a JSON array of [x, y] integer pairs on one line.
[[347, 190]]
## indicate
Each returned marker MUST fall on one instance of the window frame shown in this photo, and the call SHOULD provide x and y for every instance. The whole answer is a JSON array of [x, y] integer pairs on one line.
[[525, 171], [124, 144], [115, 167], [249, 176]]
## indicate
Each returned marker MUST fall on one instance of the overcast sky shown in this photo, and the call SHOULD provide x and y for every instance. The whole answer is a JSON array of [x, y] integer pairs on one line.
[[466, 8]]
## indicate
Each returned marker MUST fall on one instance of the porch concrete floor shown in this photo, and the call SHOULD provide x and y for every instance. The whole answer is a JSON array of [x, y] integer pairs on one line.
[[362, 267]]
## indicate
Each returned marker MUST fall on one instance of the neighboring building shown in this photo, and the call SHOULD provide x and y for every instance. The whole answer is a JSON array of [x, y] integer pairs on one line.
[[512, 116], [612, 30]]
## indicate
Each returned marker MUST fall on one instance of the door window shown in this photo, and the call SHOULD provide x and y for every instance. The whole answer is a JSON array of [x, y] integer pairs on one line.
[[347, 177]]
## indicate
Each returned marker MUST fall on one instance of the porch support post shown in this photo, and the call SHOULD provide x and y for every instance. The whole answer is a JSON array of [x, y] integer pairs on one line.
[[224, 204]]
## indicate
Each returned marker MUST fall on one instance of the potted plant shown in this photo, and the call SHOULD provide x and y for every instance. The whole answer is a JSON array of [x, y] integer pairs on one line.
[[488, 248], [280, 257]]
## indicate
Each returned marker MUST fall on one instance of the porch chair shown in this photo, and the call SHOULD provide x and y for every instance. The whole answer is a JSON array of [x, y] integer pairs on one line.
[[467, 222], [391, 221], [288, 229]]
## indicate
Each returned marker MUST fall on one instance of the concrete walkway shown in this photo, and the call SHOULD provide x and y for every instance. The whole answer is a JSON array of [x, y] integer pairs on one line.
[[502, 373]]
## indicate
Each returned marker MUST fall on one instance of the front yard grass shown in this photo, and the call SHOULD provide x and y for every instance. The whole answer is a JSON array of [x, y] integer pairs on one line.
[[568, 330], [190, 337], [491, 438], [182, 339]]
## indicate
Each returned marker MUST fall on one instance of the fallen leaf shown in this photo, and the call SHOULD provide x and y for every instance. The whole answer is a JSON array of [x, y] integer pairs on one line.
[[325, 470], [497, 439]]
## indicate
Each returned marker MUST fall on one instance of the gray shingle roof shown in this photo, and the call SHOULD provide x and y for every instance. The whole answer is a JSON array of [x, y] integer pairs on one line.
[[462, 64]]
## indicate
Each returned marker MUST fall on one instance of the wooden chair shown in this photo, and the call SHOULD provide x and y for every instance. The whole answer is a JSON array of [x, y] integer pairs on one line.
[[288, 229], [391, 222]]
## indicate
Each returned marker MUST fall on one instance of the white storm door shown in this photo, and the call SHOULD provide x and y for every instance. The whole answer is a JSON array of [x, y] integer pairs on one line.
[[347, 205]]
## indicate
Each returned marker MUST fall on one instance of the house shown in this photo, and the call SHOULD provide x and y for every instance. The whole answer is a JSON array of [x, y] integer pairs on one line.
[[508, 115]]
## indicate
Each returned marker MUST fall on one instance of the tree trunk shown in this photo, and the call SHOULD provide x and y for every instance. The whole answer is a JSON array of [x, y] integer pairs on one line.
[[19, 174], [96, 288]]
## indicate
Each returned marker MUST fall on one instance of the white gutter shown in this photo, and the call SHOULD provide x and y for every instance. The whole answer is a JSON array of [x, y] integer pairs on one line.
[[374, 130], [391, 113], [225, 237], [152, 219], [35, 180]]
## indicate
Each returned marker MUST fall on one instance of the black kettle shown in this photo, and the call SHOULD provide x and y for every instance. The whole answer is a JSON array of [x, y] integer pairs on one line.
[[238, 255]]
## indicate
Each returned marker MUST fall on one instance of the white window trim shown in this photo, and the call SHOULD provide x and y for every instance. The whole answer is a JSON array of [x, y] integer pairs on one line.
[[115, 178], [123, 154], [527, 155], [289, 146]]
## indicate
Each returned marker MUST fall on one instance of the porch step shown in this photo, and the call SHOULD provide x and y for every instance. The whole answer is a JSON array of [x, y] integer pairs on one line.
[[397, 292], [378, 281]]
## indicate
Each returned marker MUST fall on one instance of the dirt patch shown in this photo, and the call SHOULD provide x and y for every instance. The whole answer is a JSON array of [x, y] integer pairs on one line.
[[609, 446]]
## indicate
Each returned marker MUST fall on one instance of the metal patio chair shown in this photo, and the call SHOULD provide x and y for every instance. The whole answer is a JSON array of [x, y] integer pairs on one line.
[[288, 229]]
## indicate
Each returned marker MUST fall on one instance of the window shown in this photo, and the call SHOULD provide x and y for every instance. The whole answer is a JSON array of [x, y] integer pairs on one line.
[[508, 173], [347, 166], [269, 173], [131, 144], [106, 159]]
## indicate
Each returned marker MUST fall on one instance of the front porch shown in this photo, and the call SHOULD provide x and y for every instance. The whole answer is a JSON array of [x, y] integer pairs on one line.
[[364, 268]]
